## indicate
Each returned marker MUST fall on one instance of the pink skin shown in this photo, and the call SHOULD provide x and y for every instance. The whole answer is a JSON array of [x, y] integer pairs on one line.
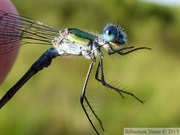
[[7, 59]]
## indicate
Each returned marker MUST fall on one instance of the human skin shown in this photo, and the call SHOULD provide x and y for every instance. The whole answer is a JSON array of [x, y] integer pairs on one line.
[[7, 59]]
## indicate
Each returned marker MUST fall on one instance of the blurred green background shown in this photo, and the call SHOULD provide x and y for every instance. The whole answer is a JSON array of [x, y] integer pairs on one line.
[[49, 103]]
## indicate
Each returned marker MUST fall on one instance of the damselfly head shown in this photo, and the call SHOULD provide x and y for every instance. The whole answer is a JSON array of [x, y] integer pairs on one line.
[[114, 35]]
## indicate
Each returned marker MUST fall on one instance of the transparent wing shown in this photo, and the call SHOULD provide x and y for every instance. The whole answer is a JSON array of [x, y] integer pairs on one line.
[[15, 29]]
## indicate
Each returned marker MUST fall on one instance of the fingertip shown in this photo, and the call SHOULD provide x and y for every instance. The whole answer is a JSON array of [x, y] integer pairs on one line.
[[7, 59]]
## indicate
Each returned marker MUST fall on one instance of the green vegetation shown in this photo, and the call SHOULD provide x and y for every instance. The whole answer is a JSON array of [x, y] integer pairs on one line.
[[49, 103]]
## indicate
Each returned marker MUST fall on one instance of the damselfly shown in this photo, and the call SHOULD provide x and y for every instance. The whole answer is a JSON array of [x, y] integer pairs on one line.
[[69, 41]]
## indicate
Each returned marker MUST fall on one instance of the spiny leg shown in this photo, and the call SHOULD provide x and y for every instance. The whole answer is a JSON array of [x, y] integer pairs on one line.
[[43, 61], [102, 80], [83, 98], [94, 114], [120, 51]]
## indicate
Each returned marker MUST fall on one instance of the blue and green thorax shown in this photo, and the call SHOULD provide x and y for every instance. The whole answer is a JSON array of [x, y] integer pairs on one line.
[[112, 35], [77, 36]]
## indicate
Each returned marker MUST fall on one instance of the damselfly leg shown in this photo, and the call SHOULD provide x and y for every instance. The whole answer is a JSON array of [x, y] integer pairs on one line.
[[83, 98], [120, 51], [100, 69], [102, 80]]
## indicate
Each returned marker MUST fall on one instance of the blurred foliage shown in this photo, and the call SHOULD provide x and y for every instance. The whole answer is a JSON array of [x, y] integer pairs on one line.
[[49, 102]]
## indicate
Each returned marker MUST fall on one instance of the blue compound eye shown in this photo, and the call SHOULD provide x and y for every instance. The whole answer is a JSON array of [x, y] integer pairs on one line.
[[110, 33]]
